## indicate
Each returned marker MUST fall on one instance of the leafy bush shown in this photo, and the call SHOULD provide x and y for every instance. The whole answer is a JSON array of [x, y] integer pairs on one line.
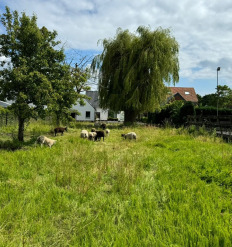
[[185, 110], [209, 111], [170, 113]]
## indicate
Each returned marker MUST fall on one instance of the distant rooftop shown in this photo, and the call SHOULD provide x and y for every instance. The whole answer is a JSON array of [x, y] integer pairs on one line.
[[94, 98], [187, 93]]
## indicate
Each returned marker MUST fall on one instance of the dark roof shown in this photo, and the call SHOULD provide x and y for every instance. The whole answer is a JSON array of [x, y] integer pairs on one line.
[[187, 93], [94, 98]]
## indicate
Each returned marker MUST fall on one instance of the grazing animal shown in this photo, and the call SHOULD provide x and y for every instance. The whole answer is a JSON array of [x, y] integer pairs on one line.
[[103, 126], [107, 132], [45, 140], [84, 134], [92, 136], [93, 130], [100, 134], [130, 136], [60, 130]]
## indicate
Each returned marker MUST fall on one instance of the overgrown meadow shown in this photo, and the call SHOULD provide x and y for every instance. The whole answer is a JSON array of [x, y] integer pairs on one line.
[[170, 187]]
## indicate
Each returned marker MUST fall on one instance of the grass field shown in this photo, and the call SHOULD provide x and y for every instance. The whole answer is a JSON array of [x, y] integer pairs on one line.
[[168, 188]]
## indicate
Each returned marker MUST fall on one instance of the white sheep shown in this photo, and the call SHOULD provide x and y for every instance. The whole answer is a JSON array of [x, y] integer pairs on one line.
[[130, 136], [84, 134], [92, 135], [45, 140], [107, 132]]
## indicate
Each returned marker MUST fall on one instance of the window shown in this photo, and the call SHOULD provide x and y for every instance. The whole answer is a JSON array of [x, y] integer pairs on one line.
[[97, 114], [187, 92], [87, 114]]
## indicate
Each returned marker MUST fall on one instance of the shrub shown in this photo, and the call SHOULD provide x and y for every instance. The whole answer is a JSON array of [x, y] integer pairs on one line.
[[187, 109], [209, 111]]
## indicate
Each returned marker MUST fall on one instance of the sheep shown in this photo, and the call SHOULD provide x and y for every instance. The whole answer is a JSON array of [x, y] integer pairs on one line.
[[107, 132], [99, 134], [93, 130], [60, 130], [45, 140], [92, 135], [84, 134], [103, 126], [130, 136]]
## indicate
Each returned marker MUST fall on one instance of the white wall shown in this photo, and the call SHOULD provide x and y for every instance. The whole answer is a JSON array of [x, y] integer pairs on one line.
[[120, 116], [103, 114], [83, 109]]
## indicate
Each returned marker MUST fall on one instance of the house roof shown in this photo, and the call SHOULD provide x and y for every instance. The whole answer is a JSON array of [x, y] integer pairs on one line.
[[187, 93], [4, 104], [94, 98]]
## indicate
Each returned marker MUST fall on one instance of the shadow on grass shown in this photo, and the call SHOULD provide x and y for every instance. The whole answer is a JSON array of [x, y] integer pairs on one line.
[[15, 144]]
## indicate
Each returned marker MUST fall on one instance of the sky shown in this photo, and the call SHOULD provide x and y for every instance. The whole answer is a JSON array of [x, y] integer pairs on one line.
[[202, 28]]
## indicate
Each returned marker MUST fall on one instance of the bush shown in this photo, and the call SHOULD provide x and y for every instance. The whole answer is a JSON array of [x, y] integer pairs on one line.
[[170, 113], [187, 109], [212, 111]]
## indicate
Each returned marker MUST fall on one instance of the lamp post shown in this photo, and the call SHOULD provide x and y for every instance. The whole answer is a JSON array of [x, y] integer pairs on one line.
[[218, 69]]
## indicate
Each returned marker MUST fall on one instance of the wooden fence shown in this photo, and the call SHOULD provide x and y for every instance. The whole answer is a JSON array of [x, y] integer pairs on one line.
[[222, 124]]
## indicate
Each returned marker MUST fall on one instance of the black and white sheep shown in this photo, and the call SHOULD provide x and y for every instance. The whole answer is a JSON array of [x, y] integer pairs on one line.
[[130, 136], [92, 136]]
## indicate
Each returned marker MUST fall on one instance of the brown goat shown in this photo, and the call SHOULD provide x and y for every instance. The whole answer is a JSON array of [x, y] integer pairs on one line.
[[60, 130]]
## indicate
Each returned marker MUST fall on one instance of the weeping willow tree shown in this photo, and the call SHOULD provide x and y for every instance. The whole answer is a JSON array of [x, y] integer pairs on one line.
[[133, 70]]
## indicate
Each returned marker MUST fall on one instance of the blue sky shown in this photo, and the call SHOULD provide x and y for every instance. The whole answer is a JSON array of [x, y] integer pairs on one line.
[[203, 30]]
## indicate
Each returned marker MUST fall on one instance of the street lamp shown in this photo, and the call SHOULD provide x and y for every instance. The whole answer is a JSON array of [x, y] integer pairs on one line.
[[218, 69]]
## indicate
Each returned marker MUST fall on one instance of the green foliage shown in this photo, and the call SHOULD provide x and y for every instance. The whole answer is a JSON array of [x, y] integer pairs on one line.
[[34, 75], [167, 188], [210, 111], [4, 110], [169, 112], [223, 98], [176, 113], [68, 92], [187, 109], [133, 69]]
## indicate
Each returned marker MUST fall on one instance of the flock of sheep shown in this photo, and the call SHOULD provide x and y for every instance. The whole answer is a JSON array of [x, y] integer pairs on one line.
[[94, 135]]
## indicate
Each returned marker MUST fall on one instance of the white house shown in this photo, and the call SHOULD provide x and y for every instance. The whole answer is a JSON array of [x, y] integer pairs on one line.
[[87, 112], [91, 111]]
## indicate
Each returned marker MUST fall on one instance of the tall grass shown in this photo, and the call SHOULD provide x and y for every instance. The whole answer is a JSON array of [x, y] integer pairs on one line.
[[168, 188]]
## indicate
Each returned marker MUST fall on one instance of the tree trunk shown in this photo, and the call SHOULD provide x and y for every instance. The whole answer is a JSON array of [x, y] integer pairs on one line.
[[130, 116], [21, 129]]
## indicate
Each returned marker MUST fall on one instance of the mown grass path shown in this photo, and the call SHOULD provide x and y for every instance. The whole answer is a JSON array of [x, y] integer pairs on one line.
[[165, 189]]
